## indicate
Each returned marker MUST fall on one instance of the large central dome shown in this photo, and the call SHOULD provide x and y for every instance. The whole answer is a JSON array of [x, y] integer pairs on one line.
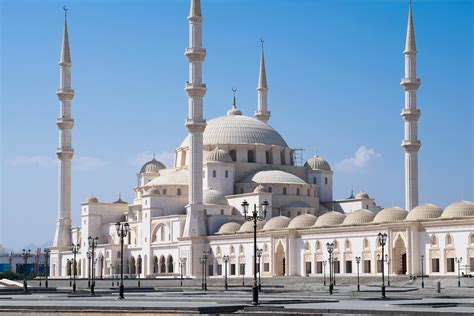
[[239, 129]]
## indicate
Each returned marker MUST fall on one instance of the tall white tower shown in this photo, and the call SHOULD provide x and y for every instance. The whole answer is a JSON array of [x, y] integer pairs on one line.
[[195, 123], [62, 237], [262, 113], [410, 114]]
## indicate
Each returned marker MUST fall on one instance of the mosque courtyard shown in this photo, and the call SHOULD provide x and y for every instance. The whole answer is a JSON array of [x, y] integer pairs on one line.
[[288, 296]]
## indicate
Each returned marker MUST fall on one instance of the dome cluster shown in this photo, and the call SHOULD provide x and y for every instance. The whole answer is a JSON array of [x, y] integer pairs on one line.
[[218, 155], [457, 210]]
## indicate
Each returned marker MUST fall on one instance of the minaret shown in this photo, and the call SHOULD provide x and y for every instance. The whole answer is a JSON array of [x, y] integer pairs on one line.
[[262, 114], [62, 238], [410, 114], [195, 123]]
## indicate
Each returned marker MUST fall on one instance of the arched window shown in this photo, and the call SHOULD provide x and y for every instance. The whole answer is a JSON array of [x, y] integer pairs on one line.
[[325, 180], [282, 157], [366, 243], [284, 191], [241, 190], [227, 173], [179, 191], [231, 249], [162, 264], [318, 245], [250, 156], [214, 173], [306, 246], [233, 155], [308, 192], [218, 250], [315, 180], [348, 244], [169, 264], [155, 265], [297, 191], [471, 239], [222, 212], [267, 157], [449, 240], [270, 189], [434, 241], [241, 249]]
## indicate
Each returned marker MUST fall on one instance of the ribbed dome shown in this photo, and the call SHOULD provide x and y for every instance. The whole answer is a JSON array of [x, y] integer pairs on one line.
[[273, 176], [391, 214], [239, 129], [229, 228], [277, 222], [247, 227], [423, 212], [318, 163], [330, 219], [359, 217], [362, 195], [459, 209], [211, 196], [152, 166], [302, 221], [171, 177], [218, 155]]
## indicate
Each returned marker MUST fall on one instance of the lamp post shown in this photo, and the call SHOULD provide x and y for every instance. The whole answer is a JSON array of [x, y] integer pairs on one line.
[[324, 272], [75, 250], [259, 256], [122, 232], [330, 248], [458, 261], [225, 259], [182, 263], [358, 280], [203, 260], [257, 215], [88, 254], [382, 242], [92, 246], [25, 254], [69, 264], [422, 272], [46, 261], [388, 261]]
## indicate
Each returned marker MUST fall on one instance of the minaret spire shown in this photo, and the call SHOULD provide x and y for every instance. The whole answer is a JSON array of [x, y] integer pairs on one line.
[[410, 114], [65, 152], [195, 218], [262, 113]]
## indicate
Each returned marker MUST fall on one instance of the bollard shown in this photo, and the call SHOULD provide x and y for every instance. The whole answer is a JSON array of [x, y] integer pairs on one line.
[[438, 287]]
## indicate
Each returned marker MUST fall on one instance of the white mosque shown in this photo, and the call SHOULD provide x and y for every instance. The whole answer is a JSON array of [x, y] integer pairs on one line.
[[193, 206]]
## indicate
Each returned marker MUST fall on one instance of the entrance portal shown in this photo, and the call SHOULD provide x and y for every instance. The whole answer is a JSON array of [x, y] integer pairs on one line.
[[400, 256], [280, 260]]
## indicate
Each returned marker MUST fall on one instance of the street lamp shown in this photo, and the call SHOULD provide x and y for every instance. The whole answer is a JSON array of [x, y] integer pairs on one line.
[[203, 261], [25, 254], [75, 250], [358, 280], [69, 264], [46, 262], [89, 256], [458, 261], [382, 242], [92, 246], [422, 272], [259, 256], [122, 232], [257, 215], [330, 248], [324, 272], [182, 263], [388, 261], [225, 259]]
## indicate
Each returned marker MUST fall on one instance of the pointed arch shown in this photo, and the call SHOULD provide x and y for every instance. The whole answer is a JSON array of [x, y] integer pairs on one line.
[[162, 264], [434, 241], [169, 264], [449, 240], [347, 244], [155, 264]]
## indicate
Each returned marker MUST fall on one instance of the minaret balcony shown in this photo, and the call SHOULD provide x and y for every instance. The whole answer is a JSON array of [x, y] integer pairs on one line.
[[195, 54], [195, 89], [410, 83], [195, 125], [64, 123], [411, 115], [65, 153], [65, 94], [411, 145]]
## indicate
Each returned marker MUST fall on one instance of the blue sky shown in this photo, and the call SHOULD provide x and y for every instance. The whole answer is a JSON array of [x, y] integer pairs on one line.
[[333, 70]]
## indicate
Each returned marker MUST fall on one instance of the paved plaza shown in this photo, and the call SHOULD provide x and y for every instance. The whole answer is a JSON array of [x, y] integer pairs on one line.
[[294, 295]]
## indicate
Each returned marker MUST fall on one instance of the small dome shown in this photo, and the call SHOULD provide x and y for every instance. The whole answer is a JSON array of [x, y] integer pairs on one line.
[[390, 214], [229, 228], [120, 201], [211, 196], [218, 155], [152, 166], [459, 209], [359, 217], [303, 221], [247, 227], [260, 189], [424, 212], [317, 163], [330, 219], [92, 199], [362, 195], [277, 222], [234, 111], [273, 176]]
